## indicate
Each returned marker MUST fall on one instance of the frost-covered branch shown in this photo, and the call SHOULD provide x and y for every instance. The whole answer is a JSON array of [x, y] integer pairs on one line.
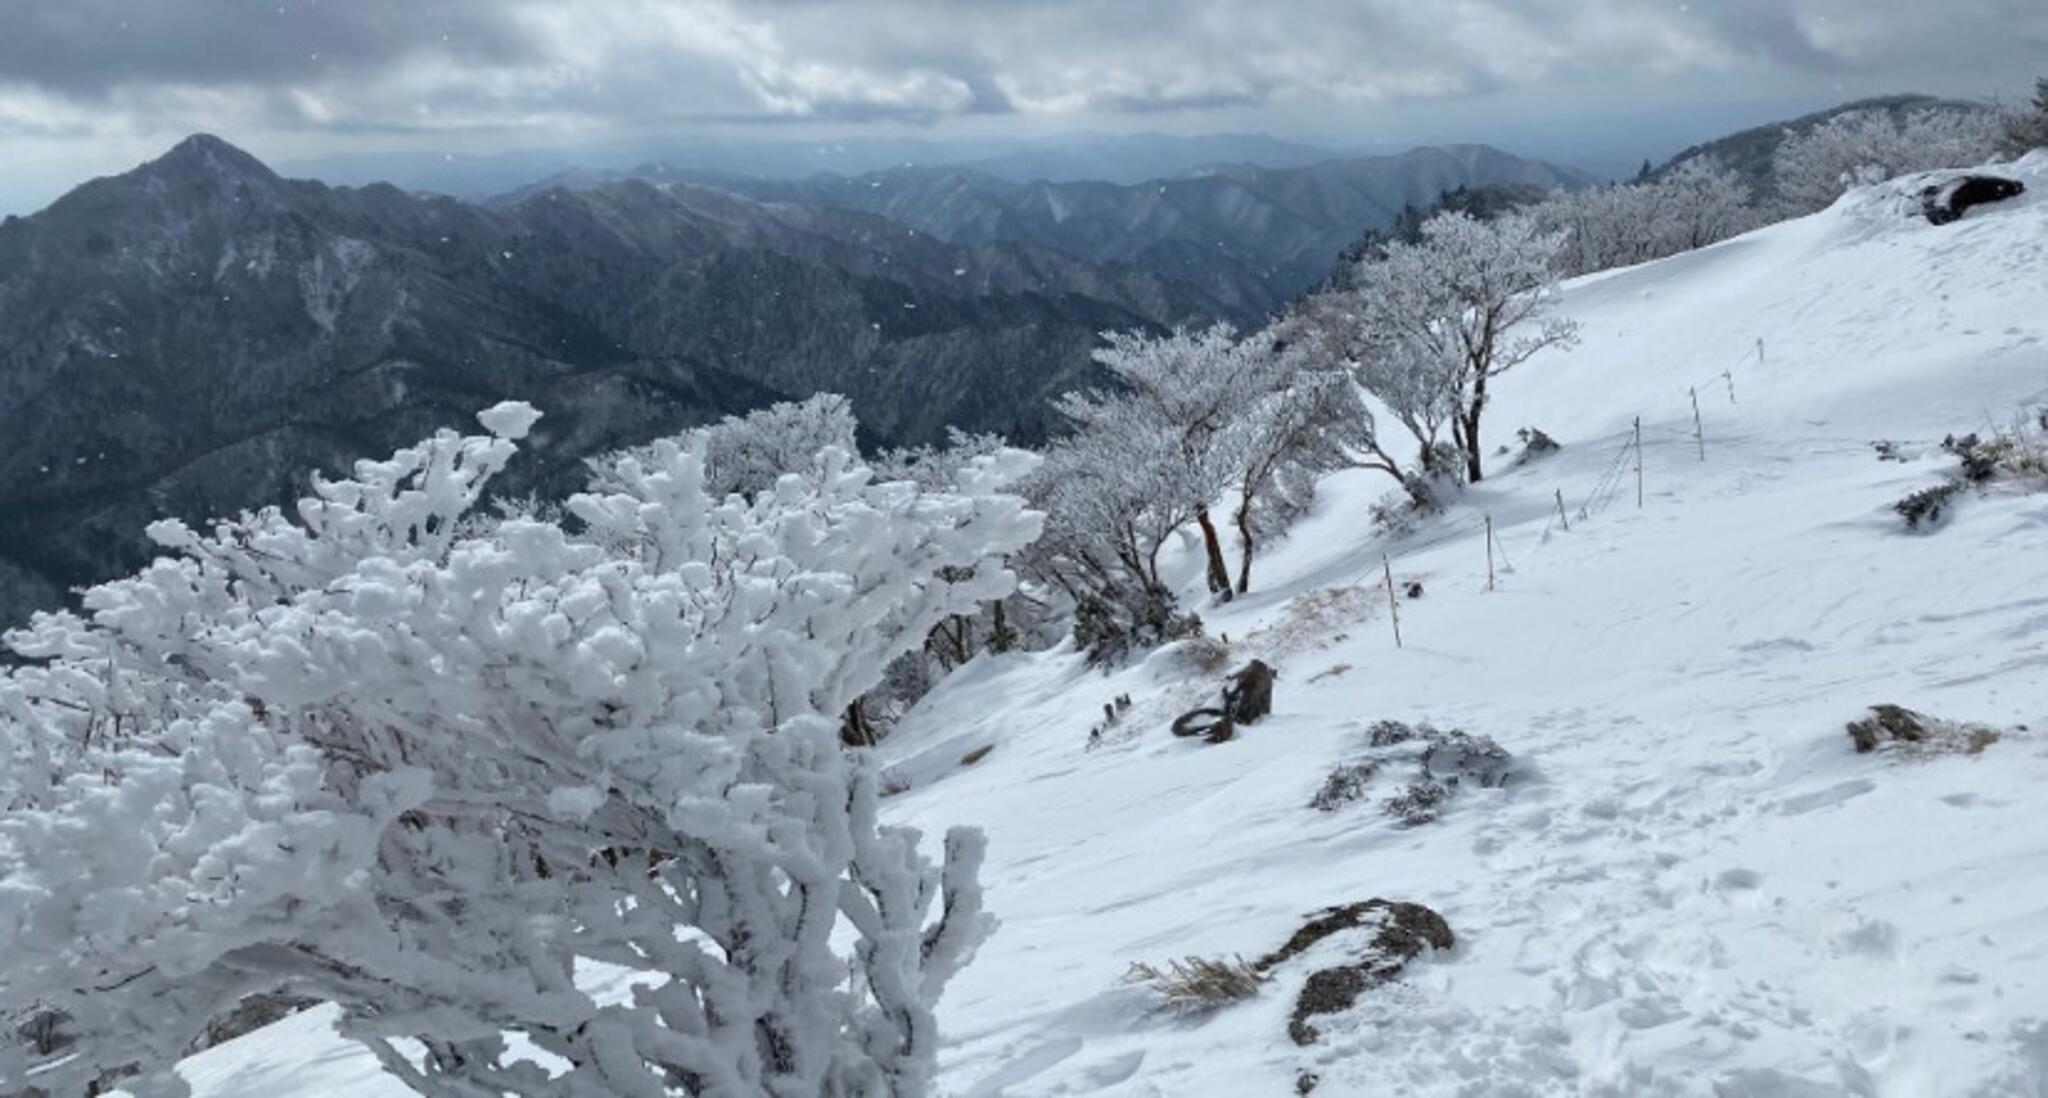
[[425, 769]]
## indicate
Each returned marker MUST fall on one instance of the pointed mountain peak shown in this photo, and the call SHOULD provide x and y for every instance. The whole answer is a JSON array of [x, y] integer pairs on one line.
[[207, 154]]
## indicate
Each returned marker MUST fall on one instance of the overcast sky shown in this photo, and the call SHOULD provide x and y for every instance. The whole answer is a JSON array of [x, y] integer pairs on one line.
[[93, 86]]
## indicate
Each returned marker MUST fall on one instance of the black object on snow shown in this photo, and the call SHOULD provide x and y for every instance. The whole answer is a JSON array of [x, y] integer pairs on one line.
[[1945, 201]]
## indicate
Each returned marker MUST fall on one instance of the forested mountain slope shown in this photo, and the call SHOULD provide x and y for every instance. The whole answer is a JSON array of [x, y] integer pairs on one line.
[[197, 335], [1250, 237]]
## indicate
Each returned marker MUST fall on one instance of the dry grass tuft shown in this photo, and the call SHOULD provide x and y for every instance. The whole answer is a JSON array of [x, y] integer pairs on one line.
[[1197, 985]]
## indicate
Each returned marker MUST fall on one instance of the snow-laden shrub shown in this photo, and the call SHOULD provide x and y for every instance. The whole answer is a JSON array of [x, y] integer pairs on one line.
[[748, 453], [1345, 784], [999, 625], [430, 770], [1442, 762], [2014, 457]]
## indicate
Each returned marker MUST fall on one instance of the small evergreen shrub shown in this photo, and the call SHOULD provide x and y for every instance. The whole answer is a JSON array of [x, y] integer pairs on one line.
[[1928, 507], [1347, 783], [2015, 456], [1419, 803]]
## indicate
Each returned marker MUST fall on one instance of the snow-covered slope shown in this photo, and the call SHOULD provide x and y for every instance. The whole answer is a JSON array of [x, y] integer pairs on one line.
[[1692, 885]]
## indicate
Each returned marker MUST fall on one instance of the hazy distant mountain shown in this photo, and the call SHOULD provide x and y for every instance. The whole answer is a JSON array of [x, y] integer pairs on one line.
[[1251, 237], [1120, 158], [1136, 158], [1750, 153], [194, 336]]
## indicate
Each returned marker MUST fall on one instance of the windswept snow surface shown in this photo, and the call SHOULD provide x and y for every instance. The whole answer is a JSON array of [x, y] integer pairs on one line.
[[1692, 886]]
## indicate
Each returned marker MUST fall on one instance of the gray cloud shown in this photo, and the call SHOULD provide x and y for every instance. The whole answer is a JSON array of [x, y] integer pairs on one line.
[[305, 76], [88, 48], [412, 64]]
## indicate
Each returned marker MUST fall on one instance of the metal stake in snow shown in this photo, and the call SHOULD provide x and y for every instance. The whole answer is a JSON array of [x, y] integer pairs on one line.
[[1393, 607], [1489, 552], [1560, 512], [1639, 463], [1699, 433], [1729, 377]]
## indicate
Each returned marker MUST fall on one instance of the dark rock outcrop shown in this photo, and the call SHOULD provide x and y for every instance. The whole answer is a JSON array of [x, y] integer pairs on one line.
[[1247, 696], [1895, 726], [1395, 933], [1944, 202]]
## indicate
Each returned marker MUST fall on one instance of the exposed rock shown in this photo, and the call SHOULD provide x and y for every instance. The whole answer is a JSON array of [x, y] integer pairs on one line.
[[1247, 696], [1535, 444], [1895, 726], [251, 1014], [1944, 202], [1400, 932]]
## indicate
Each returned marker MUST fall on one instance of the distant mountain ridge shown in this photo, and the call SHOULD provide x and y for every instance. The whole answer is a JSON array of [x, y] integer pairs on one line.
[[197, 335], [1107, 157], [1249, 236]]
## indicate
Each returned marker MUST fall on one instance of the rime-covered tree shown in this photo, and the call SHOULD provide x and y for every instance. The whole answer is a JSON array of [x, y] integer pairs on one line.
[[1437, 320], [1333, 326], [2026, 126], [747, 453], [1693, 205], [1109, 512], [1185, 387], [428, 770], [996, 625], [1302, 417], [1869, 146]]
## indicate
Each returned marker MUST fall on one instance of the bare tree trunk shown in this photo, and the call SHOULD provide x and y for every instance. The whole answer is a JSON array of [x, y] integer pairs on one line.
[[1474, 472], [855, 730], [1000, 638], [1219, 572], [1245, 544]]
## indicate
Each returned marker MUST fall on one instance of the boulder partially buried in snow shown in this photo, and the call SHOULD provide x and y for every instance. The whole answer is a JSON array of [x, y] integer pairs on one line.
[[1945, 201], [1389, 933], [1895, 726]]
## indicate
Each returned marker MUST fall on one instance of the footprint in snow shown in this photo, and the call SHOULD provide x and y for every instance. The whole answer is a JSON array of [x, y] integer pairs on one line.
[[1833, 795]]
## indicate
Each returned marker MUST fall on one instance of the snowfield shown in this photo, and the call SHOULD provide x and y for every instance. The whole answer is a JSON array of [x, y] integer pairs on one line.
[[1691, 885]]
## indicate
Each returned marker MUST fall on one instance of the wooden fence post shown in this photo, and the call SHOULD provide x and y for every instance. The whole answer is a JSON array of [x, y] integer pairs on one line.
[[1489, 552], [1560, 512], [1699, 433], [1393, 603], [1639, 463]]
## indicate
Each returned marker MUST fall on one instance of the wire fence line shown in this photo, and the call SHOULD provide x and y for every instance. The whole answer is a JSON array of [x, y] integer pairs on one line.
[[1625, 458]]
